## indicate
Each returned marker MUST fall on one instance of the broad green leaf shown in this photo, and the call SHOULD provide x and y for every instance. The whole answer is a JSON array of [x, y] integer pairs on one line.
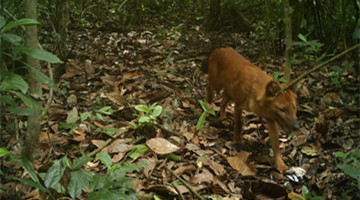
[[20, 22], [142, 108], [79, 181], [305, 192], [80, 162], [4, 152], [28, 166], [121, 172], [22, 111], [340, 154], [302, 37], [84, 116], [44, 78], [28, 101], [157, 111], [13, 82], [105, 159], [350, 171], [12, 38], [7, 99], [38, 54], [54, 174], [99, 116], [31, 183], [97, 182], [2, 22], [156, 197], [201, 121], [137, 150], [211, 112], [144, 119]]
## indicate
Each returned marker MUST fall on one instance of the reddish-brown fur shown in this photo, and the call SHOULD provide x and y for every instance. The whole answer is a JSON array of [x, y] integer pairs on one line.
[[253, 90]]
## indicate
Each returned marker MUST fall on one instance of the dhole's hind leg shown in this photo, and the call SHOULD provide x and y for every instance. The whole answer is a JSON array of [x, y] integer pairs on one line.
[[209, 92], [223, 105], [238, 125]]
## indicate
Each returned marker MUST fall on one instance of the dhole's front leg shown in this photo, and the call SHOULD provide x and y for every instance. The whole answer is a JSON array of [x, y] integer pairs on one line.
[[274, 139], [238, 125], [223, 105]]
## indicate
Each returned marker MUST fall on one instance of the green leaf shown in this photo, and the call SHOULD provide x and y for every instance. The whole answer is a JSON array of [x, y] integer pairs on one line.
[[105, 110], [22, 111], [201, 121], [31, 183], [12, 38], [157, 111], [28, 101], [350, 171], [302, 37], [38, 54], [13, 82], [28, 166], [203, 105], [7, 99], [20, 22], [105, 159], [156, 197], [144, 119], [54, 173], [80, 162], [2, 21], [97, 182], [317, 198], [305, 192], [4, 152], [142, 108], [84, 116], [309, 152], [137, 150], [44, 78], [340, 154], [79, 181], [211, 112]]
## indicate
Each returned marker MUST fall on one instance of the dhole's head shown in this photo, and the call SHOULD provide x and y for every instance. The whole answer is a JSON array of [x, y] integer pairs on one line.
[[281, 108]]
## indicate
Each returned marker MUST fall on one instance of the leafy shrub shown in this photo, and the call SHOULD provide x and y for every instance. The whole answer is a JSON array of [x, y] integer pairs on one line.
[[112, 185]]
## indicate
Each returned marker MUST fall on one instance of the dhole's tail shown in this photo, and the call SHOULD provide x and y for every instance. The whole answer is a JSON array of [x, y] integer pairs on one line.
[[204, 66]]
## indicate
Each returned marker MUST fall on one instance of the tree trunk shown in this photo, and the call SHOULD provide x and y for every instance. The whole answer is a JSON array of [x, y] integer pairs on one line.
[[288, 39], [269, 37], [31, 146], [61, 20]]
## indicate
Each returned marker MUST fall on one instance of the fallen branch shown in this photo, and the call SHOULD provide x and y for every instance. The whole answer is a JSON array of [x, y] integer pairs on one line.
[[317, 67], [185, 183]]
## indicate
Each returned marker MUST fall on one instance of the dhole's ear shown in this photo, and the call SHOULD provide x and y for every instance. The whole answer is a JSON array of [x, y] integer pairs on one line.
[[272, 88]]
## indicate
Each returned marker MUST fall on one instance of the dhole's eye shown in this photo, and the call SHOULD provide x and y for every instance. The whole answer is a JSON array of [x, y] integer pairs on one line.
[[282, 110]]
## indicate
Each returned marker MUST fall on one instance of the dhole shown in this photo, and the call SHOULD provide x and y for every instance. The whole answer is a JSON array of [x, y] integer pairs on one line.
[[253, 90]]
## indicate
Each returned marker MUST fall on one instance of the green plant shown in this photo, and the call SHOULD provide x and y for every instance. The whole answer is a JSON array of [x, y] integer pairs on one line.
[[307, 194], [350, 165], [336, 72], [311, 49], [202, 117], [112, 185], [14, 87], [149, 115], [276, 77]]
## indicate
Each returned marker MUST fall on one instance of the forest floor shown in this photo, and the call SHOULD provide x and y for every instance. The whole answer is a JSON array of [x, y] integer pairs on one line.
[[143, 67]]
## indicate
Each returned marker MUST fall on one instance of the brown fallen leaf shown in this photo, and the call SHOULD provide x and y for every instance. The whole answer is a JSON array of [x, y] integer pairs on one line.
[[239, 163], [161, 146], [264, 190], [218, 169], [204, 176]]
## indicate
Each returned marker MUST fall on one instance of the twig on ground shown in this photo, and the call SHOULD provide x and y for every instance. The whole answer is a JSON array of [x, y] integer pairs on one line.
[[185, 183]]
